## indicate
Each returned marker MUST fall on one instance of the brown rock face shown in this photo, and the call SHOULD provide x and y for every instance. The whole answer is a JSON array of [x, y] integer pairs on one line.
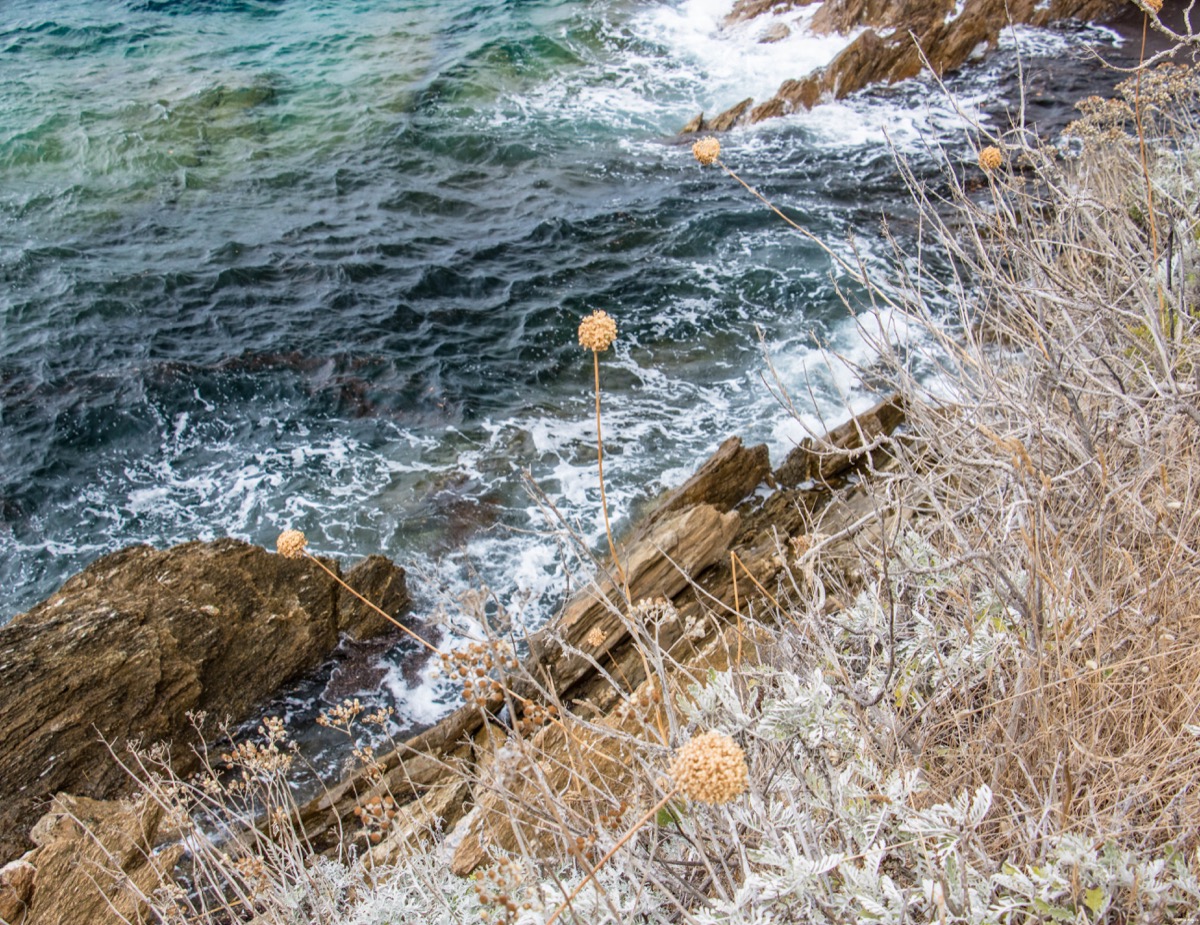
[[17, 880], [381, 582], [728, 476], [92, 863], [129, 646], [901, 36]]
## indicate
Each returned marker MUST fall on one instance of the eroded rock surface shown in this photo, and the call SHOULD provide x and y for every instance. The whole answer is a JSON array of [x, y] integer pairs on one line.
[[128, 647], [901, 38], [93, 863]]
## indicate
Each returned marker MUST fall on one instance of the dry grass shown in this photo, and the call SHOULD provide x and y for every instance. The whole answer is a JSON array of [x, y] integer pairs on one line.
[[1055, 460]]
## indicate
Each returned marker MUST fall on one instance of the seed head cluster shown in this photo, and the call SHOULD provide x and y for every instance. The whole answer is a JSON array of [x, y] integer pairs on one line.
[[291, 544], [711, 768], [597, 331], [990, 158], [476, 667], [534, 716], [707, 150], [377, 815], [1154, 6], [595, 637]]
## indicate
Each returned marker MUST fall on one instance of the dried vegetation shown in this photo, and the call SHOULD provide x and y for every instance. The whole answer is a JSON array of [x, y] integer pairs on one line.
[[991, 717]]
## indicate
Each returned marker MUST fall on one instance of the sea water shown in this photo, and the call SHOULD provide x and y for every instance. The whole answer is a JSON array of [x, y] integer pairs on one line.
[[268, 264]]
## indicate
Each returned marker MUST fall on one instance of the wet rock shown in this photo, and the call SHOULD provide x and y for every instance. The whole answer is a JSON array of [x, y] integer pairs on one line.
[[843, 447], [381, 582], [744, 10], [900, 41], [774, 33], [731, 117], [127, 648]]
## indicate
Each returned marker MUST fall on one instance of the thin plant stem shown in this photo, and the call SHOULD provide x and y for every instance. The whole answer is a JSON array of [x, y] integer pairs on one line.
[[612, 548], [649, 814], [1164, 318], [375, 607]]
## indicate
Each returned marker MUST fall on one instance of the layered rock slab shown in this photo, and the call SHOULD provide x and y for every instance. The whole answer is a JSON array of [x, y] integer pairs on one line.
[[900, 39], [129, 647]]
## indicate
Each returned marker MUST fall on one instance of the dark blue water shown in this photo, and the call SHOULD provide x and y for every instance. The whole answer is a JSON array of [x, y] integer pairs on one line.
[[320, 265]]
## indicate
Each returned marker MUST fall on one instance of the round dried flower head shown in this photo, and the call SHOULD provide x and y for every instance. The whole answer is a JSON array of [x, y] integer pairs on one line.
[[711, 768], [1154, 6], [595, 637], [597, 331], [291, 544], [990, 158], [707, 150]]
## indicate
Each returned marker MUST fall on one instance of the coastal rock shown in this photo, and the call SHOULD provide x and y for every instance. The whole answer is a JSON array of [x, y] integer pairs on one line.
[[774, 33], [17, 879], [843, 447], [381, 582], [745, 10], [900, 40], [129, 647], [93, 861], [725, 478]]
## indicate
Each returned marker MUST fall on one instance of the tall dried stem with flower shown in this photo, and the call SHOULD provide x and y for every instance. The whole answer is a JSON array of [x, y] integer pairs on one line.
[[596, 333], [293, 544]]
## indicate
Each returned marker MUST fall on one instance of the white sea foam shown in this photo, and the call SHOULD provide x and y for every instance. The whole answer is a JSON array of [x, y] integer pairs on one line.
[[731, 62]]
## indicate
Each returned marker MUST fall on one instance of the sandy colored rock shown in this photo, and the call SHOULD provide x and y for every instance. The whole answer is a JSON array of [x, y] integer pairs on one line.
[[17, 879], [725, 478], [776, 32], [94, 859]]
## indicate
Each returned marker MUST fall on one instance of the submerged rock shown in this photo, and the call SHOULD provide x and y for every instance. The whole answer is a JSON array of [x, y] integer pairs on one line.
[[129, 647]]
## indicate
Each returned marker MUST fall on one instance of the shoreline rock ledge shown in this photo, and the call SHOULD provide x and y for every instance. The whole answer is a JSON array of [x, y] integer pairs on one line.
[[889, 49], [147, 635], [127, 648]]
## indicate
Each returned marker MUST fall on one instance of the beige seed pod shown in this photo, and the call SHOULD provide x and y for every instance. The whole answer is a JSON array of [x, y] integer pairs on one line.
[[291, 544], [711, 768], [595, 637], [707, 150], [990, 158], [1154, 6], [597, 331]]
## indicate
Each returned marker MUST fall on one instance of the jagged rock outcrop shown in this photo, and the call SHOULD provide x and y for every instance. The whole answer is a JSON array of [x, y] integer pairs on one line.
[[453, 776], [131, 645], [93, 862], [446, 777], [900, 37]]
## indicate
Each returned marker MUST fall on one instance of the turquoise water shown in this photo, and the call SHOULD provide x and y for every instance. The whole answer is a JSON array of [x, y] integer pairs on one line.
[[320, 265]]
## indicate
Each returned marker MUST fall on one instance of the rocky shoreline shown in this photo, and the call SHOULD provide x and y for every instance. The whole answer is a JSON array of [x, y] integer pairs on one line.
[[896, 41], [131, 646]]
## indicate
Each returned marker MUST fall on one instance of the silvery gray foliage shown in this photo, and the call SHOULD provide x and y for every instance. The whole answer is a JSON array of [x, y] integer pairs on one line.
[[827, 833]]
